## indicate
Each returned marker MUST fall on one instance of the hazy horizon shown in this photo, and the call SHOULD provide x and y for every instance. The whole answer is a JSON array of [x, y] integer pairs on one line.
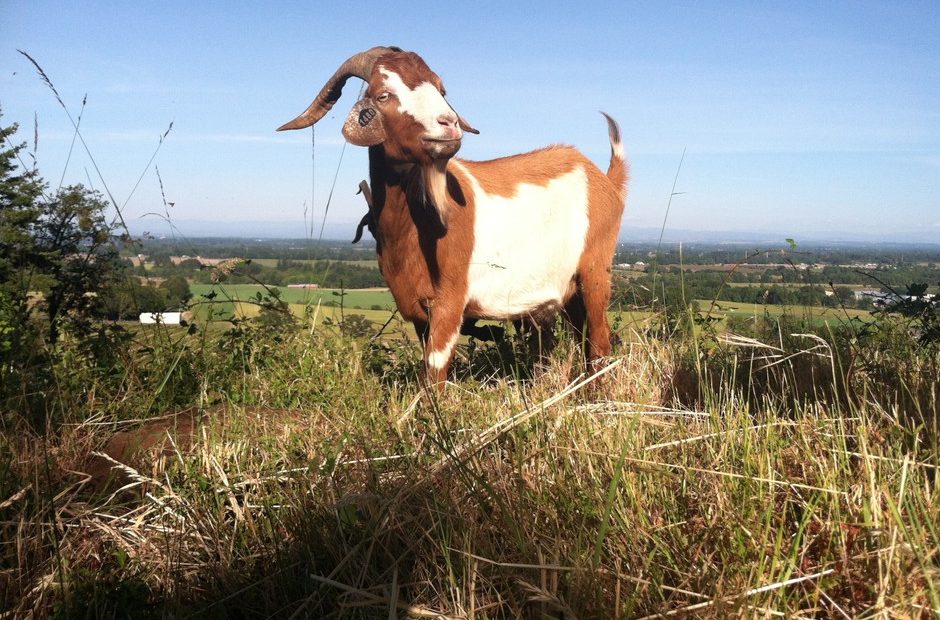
[[345, 231]]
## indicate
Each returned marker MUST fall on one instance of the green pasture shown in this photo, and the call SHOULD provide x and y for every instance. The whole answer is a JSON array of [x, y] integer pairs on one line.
[[350, 298], [270, 262], [816, 315], [377, 305]]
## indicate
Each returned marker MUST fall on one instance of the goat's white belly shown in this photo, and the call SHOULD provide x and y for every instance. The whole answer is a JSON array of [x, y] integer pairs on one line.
[[527, 247]]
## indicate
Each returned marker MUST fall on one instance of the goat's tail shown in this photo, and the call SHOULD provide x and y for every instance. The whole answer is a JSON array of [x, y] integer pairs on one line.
[[618, 171]]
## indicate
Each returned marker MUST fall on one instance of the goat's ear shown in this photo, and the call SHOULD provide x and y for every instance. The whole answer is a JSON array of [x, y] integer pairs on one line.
[[465, 125], [363, 126]]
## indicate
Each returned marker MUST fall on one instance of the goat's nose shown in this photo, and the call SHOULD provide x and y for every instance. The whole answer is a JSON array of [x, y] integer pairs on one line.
[[449, 127]]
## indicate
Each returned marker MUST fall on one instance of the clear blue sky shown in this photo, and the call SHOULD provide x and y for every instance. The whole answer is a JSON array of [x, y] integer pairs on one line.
[[798, 118]]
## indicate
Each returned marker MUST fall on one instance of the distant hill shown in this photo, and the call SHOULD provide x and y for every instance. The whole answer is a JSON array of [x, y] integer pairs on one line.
[[673, 235]]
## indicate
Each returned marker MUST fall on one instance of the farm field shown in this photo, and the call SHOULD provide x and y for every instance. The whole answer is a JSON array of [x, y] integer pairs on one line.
[[352, 298], [377, 306], [366, 298], [365, 302], [817, 313], [272, 262]]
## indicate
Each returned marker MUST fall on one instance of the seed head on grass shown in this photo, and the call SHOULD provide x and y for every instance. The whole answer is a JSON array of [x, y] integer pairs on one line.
[[224, 269]]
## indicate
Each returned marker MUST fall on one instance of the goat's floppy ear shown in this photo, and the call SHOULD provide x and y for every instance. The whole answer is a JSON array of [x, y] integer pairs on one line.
[[465, 125], [363, 126]]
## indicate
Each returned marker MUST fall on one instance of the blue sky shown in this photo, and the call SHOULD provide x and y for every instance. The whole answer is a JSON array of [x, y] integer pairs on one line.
[[798, 118]]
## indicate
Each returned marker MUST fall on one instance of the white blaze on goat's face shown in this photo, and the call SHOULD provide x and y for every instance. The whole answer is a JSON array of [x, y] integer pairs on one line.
[[426, 105]]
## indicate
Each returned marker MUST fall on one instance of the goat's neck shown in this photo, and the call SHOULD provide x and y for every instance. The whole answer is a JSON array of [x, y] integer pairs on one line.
[[385, 169], [390, 177], [399, 186]]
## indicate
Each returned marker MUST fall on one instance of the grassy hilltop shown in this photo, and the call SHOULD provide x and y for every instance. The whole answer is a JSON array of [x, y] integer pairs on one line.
[[291, 468]]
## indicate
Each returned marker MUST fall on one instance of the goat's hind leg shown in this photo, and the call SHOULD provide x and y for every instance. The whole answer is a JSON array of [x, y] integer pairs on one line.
[[595, 292]]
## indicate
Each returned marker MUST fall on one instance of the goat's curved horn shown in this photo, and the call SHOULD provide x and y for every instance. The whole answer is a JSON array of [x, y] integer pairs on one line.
[[359, 66]]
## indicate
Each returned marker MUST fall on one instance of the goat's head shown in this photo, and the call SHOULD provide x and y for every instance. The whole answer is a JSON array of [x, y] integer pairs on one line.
[[403, 109]]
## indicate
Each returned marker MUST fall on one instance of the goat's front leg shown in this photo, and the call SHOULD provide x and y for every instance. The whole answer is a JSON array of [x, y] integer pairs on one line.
[[441, 342]]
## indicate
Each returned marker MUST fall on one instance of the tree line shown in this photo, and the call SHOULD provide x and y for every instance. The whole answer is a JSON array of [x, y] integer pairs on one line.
[[324, 273], [679, 289], [60, 267], [291, 249]]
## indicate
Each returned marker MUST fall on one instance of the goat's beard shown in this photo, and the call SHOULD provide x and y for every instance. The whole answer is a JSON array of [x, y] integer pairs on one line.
[[435, 183]]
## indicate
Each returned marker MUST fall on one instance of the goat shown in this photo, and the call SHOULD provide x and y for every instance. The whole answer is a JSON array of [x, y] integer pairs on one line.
[[521, 237]]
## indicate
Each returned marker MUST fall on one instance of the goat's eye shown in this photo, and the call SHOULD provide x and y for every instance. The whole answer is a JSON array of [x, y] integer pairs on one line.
[[383, 97]]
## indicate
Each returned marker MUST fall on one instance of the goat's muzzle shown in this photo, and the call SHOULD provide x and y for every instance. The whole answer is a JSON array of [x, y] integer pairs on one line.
[[437, 148]]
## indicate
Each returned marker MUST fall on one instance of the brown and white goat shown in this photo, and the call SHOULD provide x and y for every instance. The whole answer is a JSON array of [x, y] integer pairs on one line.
[[521, 237]]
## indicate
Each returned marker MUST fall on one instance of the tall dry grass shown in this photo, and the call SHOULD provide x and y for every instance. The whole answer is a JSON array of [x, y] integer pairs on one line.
[[313, 479]]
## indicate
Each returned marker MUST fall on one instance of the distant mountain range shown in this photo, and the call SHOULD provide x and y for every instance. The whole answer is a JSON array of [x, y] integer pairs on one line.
[[264, 229]]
